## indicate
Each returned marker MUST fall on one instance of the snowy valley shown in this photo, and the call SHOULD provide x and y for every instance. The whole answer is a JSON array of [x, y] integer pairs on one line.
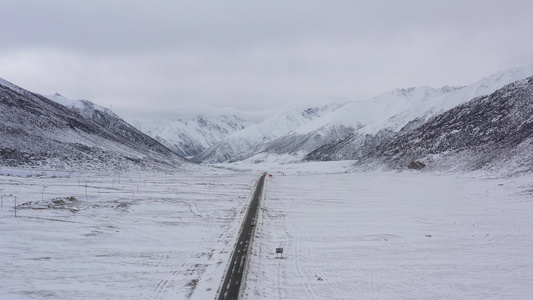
[[341, 131], [418, 193]]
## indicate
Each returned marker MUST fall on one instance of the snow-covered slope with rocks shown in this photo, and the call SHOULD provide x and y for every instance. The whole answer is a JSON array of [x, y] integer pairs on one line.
[[110, 121], [39, 132], [489, 132], [363, 140], [262, 137], [190, 137], [344, 131], [318, 127], [350, 130]]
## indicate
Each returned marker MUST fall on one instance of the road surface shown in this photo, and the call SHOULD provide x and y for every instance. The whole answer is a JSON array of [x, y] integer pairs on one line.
[[232, 281]]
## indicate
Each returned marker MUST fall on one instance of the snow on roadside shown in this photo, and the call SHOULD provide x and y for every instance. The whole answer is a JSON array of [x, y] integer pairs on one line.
[[393, 236], [345, 235], [127, 236]]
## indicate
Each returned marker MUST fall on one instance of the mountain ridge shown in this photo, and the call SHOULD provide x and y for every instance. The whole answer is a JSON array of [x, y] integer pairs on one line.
[[251, 139], [190, 137], [338, 131], [349, 130], [38, 132], [363, 140], [489, 132]]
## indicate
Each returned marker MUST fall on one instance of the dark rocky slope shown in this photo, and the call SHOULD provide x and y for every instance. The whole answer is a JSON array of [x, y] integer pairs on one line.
[[37, 132], [491, 132]]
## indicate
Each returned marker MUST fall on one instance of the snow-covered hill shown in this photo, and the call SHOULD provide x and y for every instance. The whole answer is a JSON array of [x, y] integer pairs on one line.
[[262, 137], [424, 104], [306, 130], [344, 131], [110, 121], [350, 130], [189, 138], [490, 132], [42, 133]]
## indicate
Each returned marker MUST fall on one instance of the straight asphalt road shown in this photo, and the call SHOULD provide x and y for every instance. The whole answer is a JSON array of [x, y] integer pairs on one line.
[[232, 281]]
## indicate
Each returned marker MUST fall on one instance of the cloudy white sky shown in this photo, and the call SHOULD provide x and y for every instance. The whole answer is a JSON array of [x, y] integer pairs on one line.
[[158, 60]]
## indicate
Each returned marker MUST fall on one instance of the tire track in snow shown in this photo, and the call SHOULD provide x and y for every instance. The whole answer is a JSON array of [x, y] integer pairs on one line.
[[186, 265], [282, 241], [294, 244]]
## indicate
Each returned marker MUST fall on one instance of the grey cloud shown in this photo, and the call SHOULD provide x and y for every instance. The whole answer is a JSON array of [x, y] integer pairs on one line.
[[154, 58]]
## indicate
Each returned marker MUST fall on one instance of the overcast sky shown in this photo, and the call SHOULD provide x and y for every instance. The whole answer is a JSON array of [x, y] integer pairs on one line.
[[159, 60]]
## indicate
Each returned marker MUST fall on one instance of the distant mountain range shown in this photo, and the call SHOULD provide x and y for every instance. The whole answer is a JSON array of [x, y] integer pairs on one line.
[[39, 132], [426, 104], [347, 131], [481, 125], [279, 134]]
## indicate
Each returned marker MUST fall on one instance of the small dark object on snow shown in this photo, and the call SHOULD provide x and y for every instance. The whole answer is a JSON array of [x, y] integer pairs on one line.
[[416, 165]]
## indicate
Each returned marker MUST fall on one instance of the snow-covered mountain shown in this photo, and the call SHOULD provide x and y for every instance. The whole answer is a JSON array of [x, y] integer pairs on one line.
[[490, 132], [110, 121], [306, 130], [365, 138], [39, 132], [265, 136], [350, 130], [189, 138]]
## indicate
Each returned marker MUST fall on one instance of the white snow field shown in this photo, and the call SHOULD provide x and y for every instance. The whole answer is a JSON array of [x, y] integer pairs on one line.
[[134, 236], [393, 236], [345, 235]]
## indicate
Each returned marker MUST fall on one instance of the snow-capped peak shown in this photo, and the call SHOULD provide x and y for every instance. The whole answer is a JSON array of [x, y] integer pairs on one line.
[[58, 98], [497, 80], [190, 137]]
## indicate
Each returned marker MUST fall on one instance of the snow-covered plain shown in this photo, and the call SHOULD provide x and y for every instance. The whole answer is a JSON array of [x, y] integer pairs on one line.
[[146, 235], [393, 236], [124, 236]]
